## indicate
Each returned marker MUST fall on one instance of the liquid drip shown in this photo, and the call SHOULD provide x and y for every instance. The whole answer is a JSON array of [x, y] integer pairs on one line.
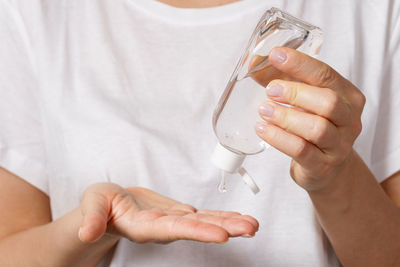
[[222, 182]]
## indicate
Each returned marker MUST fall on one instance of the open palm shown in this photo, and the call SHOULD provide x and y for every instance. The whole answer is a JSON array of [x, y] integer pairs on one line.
[[142, 215]]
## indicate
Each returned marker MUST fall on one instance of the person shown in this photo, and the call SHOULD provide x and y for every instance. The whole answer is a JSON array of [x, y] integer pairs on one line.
[[105, 103]]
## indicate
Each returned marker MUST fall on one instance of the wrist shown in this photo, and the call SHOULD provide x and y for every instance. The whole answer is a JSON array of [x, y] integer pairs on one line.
[[341, 183], [60, 240]]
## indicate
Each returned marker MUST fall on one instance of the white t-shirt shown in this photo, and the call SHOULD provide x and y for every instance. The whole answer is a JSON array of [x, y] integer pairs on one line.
[[124, 91]]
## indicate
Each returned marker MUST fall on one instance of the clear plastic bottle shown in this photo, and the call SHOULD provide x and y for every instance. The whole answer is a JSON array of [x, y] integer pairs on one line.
[[237, 111]]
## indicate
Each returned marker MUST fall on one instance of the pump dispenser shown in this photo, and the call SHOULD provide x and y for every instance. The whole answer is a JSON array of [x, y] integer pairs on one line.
[[237, 111]]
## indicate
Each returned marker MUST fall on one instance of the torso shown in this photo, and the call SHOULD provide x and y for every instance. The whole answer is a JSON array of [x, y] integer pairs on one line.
[[128, 95]]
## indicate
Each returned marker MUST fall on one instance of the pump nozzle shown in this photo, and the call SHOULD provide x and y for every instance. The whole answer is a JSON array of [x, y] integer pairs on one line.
[[231, 162]]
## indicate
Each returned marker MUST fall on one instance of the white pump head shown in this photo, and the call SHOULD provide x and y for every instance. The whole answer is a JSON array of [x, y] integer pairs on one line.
[[226, 160], [231, 162]]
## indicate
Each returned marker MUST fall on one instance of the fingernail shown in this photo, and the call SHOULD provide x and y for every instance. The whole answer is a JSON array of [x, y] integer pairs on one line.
[[275, 90], [260, 127], [278, 56], [247, 236], [266, 110]]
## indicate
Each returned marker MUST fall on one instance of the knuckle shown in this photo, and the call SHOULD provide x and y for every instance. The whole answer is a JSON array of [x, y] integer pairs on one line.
[[325, 75], [295, 170], [359, 99], [357, 128], [293, 94], [301, 149], [320, 130], [298, 65], [331, 103], [283, 118]]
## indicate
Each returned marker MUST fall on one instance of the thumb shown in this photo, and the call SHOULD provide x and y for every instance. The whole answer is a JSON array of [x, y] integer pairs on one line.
[[95, 208]]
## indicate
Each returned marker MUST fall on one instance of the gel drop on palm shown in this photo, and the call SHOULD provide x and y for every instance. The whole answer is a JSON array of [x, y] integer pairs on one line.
[[237, 111]]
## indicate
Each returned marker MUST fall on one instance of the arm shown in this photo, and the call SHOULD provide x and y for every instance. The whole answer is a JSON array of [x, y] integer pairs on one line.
[[29, 238], [360, 220], [107, 212]]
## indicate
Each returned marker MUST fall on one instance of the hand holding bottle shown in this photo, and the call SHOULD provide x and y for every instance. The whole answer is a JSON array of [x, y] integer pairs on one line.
[[319, 130], [143, 216], [236, 112]]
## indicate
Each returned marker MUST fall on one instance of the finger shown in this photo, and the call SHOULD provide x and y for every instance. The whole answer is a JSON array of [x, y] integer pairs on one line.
[[310, 127], [234, 226], [321, 101], [305, 153], [148, 226], [306, 68], [95, 209], [231, 214]]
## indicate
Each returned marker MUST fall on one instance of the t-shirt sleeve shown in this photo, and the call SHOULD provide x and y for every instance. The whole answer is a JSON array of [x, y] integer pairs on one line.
[[21, 138], [386, 146]]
